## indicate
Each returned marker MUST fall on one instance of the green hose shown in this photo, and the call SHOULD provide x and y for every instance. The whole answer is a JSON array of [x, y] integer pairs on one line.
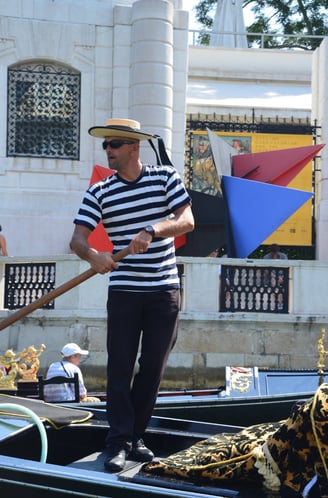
[[36, 420]]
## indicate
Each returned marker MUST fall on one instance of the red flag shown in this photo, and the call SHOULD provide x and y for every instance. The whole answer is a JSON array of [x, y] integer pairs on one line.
[[99, 238], [277, 167]]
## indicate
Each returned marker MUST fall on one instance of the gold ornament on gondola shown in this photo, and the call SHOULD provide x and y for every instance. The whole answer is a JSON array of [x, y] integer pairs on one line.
[[22, 367], [8, 370], [322, 356], [29, 363], [241, 378]]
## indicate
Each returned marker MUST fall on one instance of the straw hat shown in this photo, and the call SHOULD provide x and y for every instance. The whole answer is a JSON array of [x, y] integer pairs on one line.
[[127, 128]]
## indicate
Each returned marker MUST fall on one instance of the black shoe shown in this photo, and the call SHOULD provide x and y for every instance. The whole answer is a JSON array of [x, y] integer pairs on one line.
[[140, 452], [115, 459]]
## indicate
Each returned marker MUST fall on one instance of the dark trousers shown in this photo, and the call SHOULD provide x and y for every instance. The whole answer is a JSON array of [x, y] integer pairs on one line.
[[148, 319]]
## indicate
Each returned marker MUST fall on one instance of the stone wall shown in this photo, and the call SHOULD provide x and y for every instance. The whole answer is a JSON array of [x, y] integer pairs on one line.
[[204, 346], [208, 339]]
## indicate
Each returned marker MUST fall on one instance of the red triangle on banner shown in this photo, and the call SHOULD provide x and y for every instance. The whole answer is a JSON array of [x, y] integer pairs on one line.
[[99, 238], [277, 167]]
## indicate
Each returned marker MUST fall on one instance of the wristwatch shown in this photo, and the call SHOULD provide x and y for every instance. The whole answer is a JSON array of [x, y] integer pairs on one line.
[[150, 229]]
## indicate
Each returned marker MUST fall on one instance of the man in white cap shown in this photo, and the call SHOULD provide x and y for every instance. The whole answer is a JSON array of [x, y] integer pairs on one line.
[[67, 367], [142, 207]]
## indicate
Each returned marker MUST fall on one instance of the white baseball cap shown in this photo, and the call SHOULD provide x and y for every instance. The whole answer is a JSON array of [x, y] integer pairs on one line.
[[72, 348]]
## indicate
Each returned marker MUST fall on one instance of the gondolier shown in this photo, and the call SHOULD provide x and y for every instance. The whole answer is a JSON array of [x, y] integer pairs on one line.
[[143, 207]]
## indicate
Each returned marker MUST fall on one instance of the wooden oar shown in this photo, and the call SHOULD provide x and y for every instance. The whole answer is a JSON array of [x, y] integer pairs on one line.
[[46, 298]]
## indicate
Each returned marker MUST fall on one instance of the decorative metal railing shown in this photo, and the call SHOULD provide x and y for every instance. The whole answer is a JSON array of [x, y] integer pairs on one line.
[[254, 289], [262, 289], [26, 282]]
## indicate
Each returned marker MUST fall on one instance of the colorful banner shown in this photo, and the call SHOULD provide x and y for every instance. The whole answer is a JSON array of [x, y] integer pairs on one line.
[[297, 230]]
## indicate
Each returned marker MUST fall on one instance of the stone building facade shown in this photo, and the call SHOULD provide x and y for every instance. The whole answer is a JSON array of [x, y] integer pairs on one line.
[[131, 58]]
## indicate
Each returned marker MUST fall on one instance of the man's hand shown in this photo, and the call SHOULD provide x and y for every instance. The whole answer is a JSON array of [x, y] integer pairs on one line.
[[140, 242], [101, 262]]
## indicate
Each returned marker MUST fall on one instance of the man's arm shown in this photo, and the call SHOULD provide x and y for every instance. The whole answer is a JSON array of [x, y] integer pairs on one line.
[[101, 262], [182, 222]]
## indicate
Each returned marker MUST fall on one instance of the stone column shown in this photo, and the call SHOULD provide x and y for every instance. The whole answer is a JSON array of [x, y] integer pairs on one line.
[[151, 83], [180, 83], [319, 114]]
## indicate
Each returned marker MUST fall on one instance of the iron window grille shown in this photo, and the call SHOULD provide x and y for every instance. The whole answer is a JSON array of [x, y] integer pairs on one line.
[[43, 111]]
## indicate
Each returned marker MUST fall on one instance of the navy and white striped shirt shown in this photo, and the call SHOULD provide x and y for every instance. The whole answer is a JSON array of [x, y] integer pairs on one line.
[[125, 208]]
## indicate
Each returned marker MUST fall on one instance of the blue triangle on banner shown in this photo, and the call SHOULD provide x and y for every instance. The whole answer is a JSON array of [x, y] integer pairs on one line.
[[256, 209]]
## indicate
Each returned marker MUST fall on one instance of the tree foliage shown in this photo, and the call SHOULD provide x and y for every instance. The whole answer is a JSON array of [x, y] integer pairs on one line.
[[297, 20]]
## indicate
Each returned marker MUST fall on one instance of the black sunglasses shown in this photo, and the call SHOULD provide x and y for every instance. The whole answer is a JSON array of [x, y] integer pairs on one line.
[[115, 144]]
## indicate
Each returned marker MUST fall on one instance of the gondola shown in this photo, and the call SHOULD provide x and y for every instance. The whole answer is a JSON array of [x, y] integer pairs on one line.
[[259, 395], [52, 451], [250, 396], [73, 466]]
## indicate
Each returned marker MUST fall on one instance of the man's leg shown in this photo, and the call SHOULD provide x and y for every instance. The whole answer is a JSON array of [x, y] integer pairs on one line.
[[123, 335], [160, 324]]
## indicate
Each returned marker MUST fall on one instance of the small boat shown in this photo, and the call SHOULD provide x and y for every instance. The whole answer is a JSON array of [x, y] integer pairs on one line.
[[251, 395]]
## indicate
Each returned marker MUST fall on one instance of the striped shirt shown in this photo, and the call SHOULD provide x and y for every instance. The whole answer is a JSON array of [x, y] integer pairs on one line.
[[63, 392], [125, 208]]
